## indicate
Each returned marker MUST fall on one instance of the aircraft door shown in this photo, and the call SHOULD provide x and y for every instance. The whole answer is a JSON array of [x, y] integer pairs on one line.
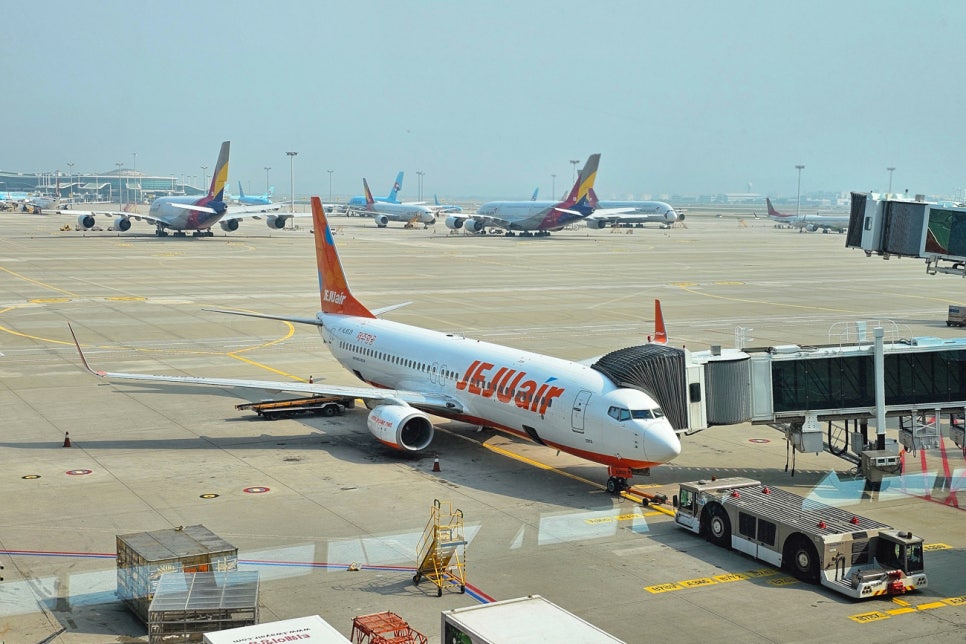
[[580, 406]]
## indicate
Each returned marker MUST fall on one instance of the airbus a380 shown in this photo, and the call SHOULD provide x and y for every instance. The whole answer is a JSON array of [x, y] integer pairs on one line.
[[610, 213], [414, 372], [533, 217], [197, 214]]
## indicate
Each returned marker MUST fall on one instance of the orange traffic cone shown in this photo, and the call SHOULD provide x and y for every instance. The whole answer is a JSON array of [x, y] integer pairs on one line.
[[436, 464], [66, 439]]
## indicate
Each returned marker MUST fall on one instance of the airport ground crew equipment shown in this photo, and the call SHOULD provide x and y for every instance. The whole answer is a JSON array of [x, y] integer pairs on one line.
[[814, 541], [956, 316], [384, 628], [441, 553], [325, 405]]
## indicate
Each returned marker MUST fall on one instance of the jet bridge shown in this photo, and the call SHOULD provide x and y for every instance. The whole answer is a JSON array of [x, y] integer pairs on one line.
[[821, 396]]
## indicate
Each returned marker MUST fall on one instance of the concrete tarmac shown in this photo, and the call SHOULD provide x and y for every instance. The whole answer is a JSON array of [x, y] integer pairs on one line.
[[305, 498]]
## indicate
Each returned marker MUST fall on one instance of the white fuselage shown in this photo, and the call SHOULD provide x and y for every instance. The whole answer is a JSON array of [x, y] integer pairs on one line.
[[401, 212], [560, 403], [181, 218], [635, 212]]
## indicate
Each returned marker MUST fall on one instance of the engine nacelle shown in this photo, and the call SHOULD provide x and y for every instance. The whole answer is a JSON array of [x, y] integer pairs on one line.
[[811, 228], [401, 427], [474, 226], [454, 223], [381, 220], [122, 224], [276, 222], [596, 224], [229, 225], [85, 221]]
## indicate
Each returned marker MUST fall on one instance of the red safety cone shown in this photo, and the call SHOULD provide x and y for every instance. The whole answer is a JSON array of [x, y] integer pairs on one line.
[[66, 439], [436, 464]]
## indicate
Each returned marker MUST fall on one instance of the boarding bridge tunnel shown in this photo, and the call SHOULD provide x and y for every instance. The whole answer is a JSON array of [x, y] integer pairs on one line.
[[822, 397]]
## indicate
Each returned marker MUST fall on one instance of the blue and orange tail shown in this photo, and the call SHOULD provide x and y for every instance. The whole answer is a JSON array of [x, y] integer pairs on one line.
[[333, 287], [219, 177], [579, 197], [396, 187]]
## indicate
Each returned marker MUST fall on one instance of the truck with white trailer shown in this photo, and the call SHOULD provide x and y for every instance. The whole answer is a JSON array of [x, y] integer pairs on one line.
[[525, 620], [816, 542]]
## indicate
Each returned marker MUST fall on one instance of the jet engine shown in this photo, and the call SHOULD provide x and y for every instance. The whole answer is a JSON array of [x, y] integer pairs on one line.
[[596, 224], [381, 220], [229, 225], [122, 224], [85, 221], [811, 228], [473, 225], [400, 426], [454, 223], [276, 222]]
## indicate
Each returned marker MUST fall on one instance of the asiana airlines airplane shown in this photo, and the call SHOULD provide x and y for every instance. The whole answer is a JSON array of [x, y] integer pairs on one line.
[[411, 372]]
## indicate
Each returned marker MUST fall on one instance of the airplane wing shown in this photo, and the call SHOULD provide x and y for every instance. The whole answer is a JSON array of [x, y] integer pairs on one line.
[[415, 398], [119, 213]]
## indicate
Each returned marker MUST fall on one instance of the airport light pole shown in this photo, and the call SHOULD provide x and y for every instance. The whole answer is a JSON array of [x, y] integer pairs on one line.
[[120, 186], [330, 184], [420, 173], [891, 170], [575, 162], [204, 176], [267, 168], [70, 177], [291, 162], [137, 182], [798, 208], [553, 191]]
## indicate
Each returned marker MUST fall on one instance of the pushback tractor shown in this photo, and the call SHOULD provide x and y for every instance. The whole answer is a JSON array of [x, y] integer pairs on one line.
[[815, 542]]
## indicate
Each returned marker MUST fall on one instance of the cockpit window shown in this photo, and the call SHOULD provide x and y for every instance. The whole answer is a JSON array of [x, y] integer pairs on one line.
[[647, 414], [619, 413]]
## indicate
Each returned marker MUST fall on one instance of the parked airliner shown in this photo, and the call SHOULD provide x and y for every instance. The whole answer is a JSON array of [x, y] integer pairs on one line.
[[198, 214], [811, 223], [360, 200], [618, 213], [382, 212], [414, 372], [533, 217], [254, 200]]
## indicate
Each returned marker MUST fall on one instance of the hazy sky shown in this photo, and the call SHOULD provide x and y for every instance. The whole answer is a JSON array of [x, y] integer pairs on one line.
[[490, 99]]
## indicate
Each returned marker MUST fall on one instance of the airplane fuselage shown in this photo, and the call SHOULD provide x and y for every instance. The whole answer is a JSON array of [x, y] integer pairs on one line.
[[551, 401], [185, 219], [530, 215], [401, 212], [639, 212]]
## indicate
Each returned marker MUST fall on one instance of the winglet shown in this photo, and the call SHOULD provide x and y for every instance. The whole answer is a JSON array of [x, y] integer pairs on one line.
[[660, 333], [82, 357], [333, 287]]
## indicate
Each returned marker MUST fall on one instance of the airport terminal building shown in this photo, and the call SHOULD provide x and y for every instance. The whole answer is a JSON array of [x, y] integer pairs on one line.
[[118, 185]]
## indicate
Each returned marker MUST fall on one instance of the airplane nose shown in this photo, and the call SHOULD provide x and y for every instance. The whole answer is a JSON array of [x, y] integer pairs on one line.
[[663, 444]]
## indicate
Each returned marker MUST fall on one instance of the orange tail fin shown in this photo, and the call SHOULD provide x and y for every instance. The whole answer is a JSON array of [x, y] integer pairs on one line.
[[660, 333], [333, 287]]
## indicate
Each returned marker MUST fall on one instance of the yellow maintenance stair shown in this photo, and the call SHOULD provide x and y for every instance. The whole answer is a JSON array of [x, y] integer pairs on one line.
[[440, 555]]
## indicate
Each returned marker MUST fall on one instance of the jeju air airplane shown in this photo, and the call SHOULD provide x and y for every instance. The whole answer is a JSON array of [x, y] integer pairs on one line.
[[197, 214], [412, 372]]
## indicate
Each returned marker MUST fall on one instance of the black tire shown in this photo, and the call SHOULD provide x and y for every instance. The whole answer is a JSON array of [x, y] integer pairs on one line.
[[612, 485], [329, 411], [462, 589], [439, 592], [416, 579], [801, 559], [719, 526]]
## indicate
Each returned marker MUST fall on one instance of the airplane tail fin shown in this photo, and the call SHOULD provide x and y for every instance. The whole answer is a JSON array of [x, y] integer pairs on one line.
[[592, 199], [536, 190], [660, 332], [396, 187], [219, 177], [771, 209], [271, 192], [369, 199], [578, 194], [241, 191], [333, 287]]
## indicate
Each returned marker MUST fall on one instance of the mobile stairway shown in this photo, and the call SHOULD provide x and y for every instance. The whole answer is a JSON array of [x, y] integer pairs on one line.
[[440, 554]]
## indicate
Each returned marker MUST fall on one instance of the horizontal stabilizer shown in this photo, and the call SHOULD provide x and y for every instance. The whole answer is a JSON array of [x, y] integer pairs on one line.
[[188, 206], [296, 320]]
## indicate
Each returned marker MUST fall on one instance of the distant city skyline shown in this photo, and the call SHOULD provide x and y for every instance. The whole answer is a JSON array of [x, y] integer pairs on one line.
[[697, 98]]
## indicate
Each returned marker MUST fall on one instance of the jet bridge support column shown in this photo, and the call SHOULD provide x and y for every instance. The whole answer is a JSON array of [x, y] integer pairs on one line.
[[878, 357]]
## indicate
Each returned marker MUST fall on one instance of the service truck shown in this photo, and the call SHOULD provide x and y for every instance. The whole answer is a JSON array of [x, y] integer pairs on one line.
[[814, 541], [524, 620]]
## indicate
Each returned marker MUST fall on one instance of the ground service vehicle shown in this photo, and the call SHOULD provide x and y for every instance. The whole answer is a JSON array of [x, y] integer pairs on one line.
[[957, 316], [324, 405], [525, 619], [816, 542]]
